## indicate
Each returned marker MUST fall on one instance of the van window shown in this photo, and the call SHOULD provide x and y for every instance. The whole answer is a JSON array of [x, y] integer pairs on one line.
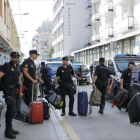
[[111, 66]]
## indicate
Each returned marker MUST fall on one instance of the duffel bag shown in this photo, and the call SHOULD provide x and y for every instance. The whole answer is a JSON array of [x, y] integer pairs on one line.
[[55, 100]]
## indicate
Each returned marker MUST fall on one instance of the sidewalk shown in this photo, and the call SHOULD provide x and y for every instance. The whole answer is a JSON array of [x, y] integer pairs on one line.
[[50, 129]]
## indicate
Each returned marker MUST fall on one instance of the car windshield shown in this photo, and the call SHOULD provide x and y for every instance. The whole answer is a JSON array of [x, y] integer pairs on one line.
[[76, 67], [54, 67], [124, 64]]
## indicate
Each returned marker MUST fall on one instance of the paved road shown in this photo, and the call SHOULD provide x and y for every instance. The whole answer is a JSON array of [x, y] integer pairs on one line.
[[113, 125]]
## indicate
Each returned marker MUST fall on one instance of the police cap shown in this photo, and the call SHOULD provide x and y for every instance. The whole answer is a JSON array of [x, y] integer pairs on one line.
[[33, 52], [65, 58], [102, 59], [14, 54], [131, 62]]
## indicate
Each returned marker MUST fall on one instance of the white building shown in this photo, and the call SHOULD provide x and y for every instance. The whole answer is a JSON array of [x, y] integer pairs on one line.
[[113, 27], [43, 40], [69, 32]]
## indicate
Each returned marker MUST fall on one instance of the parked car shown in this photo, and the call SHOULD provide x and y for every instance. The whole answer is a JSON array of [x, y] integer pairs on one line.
[[85, 72]]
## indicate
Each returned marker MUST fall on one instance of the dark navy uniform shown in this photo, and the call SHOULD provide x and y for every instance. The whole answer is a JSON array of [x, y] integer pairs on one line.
[[10, 86], [103, 75], [65, 75], [28, 63], [126, 76], [80, 75]]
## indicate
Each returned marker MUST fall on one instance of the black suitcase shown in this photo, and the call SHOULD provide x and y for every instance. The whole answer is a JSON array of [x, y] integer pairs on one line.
[[46, 108], [1, 108], [134, 109]]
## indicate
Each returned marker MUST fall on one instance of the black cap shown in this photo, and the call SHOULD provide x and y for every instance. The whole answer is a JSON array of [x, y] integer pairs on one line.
[[102, 59], [33, 52], [131, 62], [65, 58], [14, 54], [43, 63]]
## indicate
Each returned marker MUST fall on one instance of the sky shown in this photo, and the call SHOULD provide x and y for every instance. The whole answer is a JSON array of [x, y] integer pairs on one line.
[[39, 10]]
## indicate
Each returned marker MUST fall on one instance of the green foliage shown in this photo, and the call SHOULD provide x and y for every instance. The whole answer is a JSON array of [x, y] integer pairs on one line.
[[50, 52]]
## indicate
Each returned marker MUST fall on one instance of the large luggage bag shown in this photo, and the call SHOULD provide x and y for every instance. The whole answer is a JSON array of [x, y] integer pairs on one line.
[[36, 114], [1, 108], [82, 103], [134, 109]]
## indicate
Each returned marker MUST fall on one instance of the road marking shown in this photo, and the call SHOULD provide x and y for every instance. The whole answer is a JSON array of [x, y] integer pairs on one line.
[[72, 134]]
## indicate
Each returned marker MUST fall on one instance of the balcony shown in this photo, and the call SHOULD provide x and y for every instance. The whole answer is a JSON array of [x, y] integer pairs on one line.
[[88, 4], [94, 1], [107, 33], [43, 39], [88, 22], [120, 2], [93, 39], [95, 18], [107, 9], [43, 53], [43, 47], [125, 25]]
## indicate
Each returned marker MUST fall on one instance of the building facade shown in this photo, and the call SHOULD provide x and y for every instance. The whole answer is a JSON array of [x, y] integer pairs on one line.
[[43, 40], [113, 28], [9, 40], [69, 32]]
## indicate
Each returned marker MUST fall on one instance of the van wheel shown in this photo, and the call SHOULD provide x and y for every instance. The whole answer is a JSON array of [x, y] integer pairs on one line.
[[87, 83]]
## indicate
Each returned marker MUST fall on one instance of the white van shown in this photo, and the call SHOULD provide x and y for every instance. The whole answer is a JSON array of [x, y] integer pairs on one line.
[[116, 66]]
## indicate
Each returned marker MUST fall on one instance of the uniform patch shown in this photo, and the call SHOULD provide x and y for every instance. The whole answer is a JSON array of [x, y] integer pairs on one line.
[[32, 66], [12, 69], [128, 73], [62, 71], [26, 65]]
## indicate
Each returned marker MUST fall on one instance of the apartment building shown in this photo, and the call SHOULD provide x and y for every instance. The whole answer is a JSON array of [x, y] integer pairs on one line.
[[69, 32], [9, 40], [113, 27], [43, 40]]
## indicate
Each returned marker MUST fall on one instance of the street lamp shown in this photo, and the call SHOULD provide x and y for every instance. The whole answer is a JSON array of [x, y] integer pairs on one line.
[[22, 14]]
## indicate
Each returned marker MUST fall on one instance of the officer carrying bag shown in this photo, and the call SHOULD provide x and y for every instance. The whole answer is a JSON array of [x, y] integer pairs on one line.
[[49, 71], [3, 78]]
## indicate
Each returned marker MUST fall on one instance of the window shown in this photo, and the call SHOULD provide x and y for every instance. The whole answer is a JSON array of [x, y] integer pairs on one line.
[[111, 66]]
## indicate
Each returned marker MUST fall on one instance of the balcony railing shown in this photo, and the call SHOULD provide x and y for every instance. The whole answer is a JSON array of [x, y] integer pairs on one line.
[[107, 9], [107, 33], [88, 22], [43, 46], [125, 25], [88, 4], [94, 39], [43, 39], [95, 18], [120, 2], [94, 1]]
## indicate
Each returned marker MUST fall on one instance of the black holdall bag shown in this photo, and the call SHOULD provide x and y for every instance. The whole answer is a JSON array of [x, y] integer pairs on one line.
[[120, 98]]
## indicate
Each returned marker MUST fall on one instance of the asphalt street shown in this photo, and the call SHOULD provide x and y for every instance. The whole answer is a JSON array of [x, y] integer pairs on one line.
[[113, 125]]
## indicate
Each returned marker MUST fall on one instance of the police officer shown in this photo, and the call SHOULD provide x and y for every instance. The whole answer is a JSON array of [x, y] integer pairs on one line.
[[65, 72], [100, 80], [29, 75], [126, 80], [12, 80], [91, 70], [80, 74]]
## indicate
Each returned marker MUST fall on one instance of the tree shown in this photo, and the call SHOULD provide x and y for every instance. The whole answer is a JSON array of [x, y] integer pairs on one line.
[[22, 56], [50, 52]]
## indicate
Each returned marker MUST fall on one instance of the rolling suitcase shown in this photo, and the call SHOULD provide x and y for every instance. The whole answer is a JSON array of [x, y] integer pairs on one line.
[[82, 103], [1, 108], [134, 109], [36, 114]]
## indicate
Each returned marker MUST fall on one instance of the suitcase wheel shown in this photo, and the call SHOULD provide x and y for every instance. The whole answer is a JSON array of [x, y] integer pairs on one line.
[[41, 122], [137, 122], [131, 122]]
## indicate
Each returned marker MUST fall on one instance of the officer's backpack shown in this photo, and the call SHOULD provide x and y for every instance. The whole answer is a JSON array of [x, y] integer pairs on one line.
[[138, 75], [3, 78], [49, 71]]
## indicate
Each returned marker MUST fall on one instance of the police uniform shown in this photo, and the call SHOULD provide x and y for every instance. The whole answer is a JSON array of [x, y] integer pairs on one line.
[[11, 82], [102, 73], [80, 74], [65, 75], [28, 63], [126, 76]]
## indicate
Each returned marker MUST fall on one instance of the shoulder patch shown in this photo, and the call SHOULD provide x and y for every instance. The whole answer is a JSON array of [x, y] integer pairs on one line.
[[26, 65]]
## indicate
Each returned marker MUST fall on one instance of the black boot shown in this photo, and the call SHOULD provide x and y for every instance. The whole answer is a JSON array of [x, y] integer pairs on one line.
[[8, 133], [101, 111], [14, 131], [63, 112], [71, 113]]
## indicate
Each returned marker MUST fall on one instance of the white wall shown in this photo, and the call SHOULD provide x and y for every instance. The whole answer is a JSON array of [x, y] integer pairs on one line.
[[79, 33]]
